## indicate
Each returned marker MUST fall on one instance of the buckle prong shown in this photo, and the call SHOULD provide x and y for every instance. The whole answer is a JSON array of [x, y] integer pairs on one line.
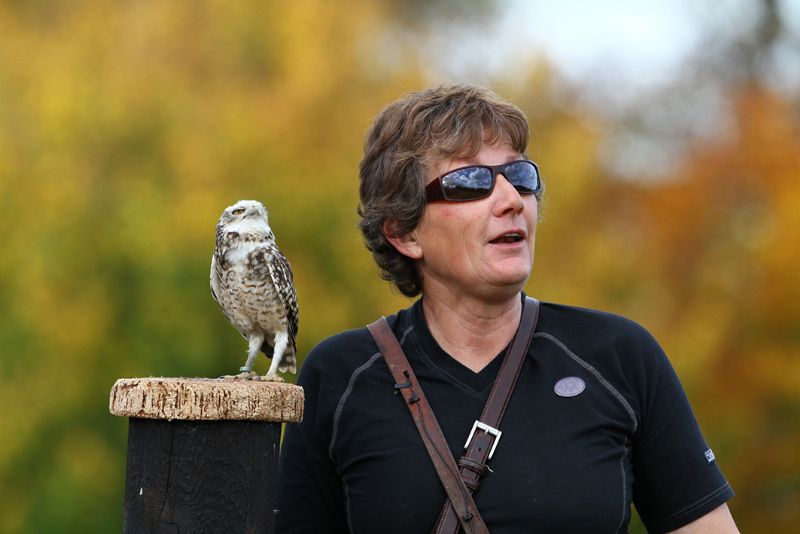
[[489, 430]]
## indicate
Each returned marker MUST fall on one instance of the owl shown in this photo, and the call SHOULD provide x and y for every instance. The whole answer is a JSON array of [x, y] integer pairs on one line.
[[253, 284]]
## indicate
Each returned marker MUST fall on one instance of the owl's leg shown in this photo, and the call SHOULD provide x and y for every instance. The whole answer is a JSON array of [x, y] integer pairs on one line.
[[281, 342], [254, 346]]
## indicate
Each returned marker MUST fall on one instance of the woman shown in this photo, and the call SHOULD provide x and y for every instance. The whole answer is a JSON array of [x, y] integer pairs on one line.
[[597, 420]]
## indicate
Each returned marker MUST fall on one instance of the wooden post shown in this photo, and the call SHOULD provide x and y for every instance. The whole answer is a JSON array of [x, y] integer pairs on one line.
[[202, 453]]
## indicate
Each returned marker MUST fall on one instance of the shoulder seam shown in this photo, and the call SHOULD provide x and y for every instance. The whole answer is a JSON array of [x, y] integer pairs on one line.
[[405, 333], [616, 394], [345, 395]]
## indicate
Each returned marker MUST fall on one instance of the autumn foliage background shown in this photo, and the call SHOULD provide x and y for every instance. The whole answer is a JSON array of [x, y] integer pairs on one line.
[[126, 128]]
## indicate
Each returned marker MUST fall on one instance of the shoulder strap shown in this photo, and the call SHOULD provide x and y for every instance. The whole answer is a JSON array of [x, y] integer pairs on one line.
[[485, 433], [428, 427], [484, 436]]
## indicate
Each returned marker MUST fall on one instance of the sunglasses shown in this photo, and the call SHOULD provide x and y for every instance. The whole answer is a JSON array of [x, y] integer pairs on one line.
[[477, 181]]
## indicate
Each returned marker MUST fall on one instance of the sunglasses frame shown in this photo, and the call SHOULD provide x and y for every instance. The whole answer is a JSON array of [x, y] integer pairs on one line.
[[434, 191]]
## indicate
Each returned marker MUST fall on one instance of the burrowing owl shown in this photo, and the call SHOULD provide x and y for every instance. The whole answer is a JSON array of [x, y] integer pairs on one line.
[[253, 284]]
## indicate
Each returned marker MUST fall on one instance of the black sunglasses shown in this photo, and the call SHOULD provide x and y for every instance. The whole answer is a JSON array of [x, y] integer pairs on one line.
[[477, 181]]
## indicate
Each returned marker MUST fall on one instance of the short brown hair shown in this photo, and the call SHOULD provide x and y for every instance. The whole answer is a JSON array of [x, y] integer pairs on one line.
[[406, 140]]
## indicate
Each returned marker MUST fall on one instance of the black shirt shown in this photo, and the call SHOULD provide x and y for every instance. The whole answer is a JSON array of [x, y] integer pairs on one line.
[[597, 420]]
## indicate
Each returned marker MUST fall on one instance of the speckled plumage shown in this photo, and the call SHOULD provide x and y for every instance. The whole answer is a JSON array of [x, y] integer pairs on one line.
[[253, 283]]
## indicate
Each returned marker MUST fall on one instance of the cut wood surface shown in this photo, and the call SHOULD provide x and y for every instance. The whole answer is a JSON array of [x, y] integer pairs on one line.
[[206, 399]]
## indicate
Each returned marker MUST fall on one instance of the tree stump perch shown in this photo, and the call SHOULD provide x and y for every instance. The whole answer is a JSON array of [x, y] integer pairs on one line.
[[202, 453]]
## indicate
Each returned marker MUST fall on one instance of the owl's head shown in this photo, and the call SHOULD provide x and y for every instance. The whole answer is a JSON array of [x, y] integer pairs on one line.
[[246, 216]]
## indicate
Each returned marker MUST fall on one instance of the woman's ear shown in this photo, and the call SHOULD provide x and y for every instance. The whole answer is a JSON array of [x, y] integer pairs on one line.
[[406, 244]]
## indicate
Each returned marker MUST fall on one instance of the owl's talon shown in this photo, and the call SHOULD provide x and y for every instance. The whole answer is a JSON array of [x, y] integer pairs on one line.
[[271, 378], [244, 375]]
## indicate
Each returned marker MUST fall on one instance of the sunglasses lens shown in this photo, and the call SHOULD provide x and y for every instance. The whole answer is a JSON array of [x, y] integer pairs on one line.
[[523, 176], [467, 184]]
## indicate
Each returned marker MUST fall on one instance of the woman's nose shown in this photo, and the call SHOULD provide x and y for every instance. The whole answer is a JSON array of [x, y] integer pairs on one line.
[[507, 196]]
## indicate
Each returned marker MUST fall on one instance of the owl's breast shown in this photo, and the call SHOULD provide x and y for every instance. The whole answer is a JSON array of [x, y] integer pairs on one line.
[[248, 295], [239, 254]]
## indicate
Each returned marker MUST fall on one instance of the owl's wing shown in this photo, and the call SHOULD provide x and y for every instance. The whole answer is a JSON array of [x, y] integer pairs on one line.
[[214, 278], [218, 262], [281, 273]]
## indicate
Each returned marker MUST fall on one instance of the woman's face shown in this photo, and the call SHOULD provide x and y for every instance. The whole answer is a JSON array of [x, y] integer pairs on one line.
[[482, 247]]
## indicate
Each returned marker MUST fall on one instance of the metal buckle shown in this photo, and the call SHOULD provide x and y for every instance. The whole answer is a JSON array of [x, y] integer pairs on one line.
[[489, 430]]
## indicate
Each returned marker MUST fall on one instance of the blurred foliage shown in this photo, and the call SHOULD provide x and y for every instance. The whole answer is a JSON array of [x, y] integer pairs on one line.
[[126, 128]]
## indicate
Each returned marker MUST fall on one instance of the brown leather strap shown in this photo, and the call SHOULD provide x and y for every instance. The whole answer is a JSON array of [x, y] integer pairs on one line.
[[428, 427], [485, 434]]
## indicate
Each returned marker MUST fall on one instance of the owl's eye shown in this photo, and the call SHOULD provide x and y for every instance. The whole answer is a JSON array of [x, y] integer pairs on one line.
[[238, 211]]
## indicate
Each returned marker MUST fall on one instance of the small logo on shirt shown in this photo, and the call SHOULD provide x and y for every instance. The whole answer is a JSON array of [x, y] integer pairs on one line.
[[710, 456], [569, 386]]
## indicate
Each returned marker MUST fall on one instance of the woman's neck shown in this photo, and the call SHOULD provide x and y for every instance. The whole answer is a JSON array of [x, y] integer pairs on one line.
[[471, 330]]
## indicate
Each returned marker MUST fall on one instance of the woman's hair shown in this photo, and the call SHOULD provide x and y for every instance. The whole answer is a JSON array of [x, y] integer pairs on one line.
[[406, 141]]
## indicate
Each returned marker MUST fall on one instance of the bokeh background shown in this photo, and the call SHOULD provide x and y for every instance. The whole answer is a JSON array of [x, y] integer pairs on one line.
[[668, 134]]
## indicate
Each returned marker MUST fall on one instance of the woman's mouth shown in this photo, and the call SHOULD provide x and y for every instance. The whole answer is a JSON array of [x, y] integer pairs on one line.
[[508, 237]]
